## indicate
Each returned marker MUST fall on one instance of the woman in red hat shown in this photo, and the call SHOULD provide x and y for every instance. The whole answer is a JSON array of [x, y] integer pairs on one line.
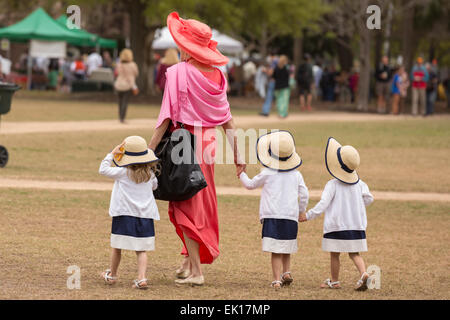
[[195, 95]]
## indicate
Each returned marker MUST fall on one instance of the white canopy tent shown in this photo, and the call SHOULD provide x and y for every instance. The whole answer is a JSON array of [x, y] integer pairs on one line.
[[227, 45]]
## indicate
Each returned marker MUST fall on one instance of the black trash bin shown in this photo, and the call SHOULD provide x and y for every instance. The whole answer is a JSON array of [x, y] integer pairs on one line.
[[6, 92]]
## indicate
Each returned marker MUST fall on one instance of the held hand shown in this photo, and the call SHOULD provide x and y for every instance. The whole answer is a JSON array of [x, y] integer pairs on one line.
[[302, 217], [240, 168]]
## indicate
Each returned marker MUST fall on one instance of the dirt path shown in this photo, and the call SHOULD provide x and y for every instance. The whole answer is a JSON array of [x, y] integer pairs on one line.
[[235, 191], [7, 127]]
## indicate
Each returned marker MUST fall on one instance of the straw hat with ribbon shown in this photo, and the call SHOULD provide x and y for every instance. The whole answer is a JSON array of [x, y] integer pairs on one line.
[[276, 150], [194, 37], [135, 151], [342, 161]]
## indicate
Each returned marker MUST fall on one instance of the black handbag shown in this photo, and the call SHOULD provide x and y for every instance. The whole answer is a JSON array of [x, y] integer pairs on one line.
[[181, 176]]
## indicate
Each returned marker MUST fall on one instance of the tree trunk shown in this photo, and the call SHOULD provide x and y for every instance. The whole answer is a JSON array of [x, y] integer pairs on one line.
[[345, 53], [138, 43], [364, 59], [408, 34], [297, 51], [263, 42]]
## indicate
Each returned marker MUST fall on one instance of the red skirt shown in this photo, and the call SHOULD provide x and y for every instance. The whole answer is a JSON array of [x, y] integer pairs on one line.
[[197, 217]]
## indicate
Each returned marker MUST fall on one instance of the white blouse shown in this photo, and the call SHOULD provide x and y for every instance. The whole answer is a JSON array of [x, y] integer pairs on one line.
[[344, 206], [284, 194], [129, 198]]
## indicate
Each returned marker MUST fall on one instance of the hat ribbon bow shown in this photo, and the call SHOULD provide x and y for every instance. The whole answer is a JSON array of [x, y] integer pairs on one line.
[[197, 38]]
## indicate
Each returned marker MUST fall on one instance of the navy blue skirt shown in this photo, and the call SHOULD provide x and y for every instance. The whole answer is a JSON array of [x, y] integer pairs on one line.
[[279, 236], [133, 233]]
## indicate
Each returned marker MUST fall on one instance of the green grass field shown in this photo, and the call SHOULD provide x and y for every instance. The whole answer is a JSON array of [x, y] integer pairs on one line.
[[45, 231]]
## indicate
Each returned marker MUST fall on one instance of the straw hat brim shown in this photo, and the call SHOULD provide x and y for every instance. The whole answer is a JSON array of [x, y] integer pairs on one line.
[[128, 160], [200, 53], [333, 165], [264, 157]]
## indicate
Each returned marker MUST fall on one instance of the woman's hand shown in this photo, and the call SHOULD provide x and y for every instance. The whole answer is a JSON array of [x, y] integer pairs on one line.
[[302, 217], [240, 168], [118, 149]]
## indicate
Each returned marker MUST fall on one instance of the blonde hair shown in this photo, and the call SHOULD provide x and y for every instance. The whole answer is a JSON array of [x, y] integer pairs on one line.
[[142, 172], [126, 55], [170, 57], [282, 61]]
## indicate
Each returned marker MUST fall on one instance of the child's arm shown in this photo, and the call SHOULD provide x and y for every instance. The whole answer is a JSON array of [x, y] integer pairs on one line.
[[303, 194], [367, 196], [256, 182], [105, 166], [322, 205]]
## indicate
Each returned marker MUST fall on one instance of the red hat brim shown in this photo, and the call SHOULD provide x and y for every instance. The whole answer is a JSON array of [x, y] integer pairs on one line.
[[203, 54]]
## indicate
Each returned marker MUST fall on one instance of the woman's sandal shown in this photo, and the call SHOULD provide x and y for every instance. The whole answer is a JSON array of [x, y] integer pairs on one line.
[[276, 284], [183, 274], [106, 276], [327, 284], [286, 279], [140, 284], [362, 283]]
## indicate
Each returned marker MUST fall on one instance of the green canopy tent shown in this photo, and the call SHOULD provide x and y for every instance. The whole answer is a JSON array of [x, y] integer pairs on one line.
[[86, 39], [39, 26]]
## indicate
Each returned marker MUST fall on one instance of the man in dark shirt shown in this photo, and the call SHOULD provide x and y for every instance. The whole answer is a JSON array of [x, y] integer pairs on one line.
[[383, 76], [305, 79]]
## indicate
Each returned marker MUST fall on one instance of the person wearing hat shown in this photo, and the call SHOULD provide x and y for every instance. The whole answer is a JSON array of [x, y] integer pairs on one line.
[[195, 95], [133, 207], [343, 201], [284, 195]]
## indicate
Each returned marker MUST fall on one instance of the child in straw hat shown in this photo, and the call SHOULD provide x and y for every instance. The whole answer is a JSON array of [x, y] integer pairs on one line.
[[284, 194], [133, 207], [343, 201]]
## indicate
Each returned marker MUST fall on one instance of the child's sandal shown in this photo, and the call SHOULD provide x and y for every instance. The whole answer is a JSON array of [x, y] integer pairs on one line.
[[362, 284], [327, 284], [286, 278], [276, 284], [106, 276], [140, 284]]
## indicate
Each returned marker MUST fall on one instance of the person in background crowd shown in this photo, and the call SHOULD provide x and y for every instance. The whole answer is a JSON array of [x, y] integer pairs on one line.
[[78, 68], [2, 76], [419, 77], [328, 83], [272, 62], [432, 86], [125, 84], [261, 81], [53, 73], [353, 84], [170, 58], [446, 84], [93, 62], [383, 77], [107, 60], [343, 87], [249, 71], [317, 73], [305, 80], [282, 89], [67, 75], [399, 89]]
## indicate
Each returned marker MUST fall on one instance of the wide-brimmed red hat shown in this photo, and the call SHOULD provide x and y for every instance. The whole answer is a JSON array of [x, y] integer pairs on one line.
[[194, 37]]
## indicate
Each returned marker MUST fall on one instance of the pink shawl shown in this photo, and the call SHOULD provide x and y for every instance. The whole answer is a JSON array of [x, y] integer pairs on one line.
[[192, 99]]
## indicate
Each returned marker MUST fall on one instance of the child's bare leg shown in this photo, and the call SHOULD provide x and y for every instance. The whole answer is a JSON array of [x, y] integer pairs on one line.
[[277, 265], [142, 264], [286, 258], [116, 254], [335, 266], [358, 261]]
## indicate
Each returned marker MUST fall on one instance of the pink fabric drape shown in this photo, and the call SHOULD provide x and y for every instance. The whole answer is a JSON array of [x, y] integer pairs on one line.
[[192, 99]]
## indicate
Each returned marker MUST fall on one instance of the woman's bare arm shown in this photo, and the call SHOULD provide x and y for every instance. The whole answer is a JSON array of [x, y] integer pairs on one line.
[[158, 134], [229, 128]]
